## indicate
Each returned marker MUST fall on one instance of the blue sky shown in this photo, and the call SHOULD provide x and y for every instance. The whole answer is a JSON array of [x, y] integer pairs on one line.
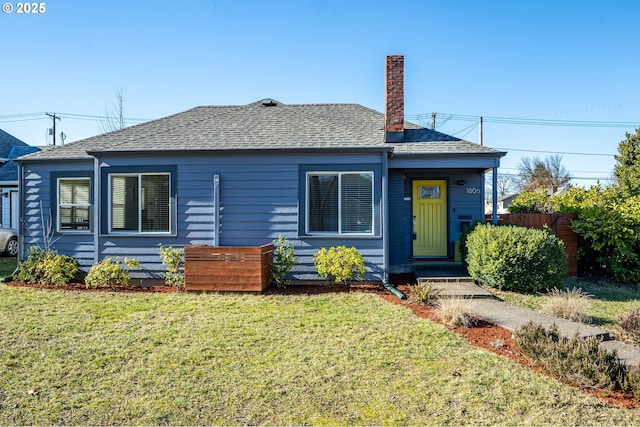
[[542, 61]]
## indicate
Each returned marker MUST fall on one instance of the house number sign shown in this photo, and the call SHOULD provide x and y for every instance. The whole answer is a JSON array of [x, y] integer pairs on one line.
[[472, 190]]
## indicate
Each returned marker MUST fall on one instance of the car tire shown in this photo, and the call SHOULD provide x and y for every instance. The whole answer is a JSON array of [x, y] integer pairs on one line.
[[12, 247]]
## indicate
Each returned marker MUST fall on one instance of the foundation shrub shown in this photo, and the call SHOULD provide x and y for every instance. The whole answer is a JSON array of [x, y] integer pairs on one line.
[[340, 263], [515, 258], [173, 259], [110, 273], [463, 243], [284, 260], [48, 267]]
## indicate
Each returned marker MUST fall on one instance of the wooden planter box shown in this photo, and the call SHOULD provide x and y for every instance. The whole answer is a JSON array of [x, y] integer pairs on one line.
[[228, 268]]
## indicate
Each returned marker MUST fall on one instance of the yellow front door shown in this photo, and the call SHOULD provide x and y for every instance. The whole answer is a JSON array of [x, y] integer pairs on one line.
[[430, 218]]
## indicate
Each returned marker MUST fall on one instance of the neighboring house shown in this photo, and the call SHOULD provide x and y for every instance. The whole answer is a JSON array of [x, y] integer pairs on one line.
[[320, 175], [10, 149], [503, 204]]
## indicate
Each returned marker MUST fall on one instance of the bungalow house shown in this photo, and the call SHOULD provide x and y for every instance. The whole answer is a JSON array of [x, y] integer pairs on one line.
[[320, 175], [10, 149]]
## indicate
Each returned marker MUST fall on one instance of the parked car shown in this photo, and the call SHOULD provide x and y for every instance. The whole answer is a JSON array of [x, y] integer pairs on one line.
[[8, 241]]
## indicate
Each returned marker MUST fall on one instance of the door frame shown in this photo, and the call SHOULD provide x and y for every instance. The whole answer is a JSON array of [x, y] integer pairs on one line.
[[447, 225]]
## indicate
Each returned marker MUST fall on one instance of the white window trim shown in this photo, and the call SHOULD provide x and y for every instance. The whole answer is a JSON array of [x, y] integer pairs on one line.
[[70, 205], [140, 200], [339, 231]]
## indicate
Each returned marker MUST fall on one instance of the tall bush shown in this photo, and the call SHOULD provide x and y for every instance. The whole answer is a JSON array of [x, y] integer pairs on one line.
[[516, 258], [173, 259], [608, 228], [284, 260]]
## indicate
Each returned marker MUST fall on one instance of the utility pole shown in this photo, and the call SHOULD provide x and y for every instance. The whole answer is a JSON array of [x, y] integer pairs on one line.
[[433, 121], [54, 118], [481, 142]]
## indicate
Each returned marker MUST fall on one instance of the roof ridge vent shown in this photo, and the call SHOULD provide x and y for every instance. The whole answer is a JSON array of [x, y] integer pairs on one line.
[[269, 103]]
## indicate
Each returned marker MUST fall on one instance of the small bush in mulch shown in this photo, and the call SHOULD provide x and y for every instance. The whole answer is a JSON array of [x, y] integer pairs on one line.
[[629, 322], [579, 361], [425, 293]]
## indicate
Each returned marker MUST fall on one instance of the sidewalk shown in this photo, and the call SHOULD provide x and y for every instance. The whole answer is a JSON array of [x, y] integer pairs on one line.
[[489, 308]]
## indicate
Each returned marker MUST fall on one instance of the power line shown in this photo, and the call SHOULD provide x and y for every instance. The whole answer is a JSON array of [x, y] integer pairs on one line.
[[38, 116], [528, 121], [558, 152]]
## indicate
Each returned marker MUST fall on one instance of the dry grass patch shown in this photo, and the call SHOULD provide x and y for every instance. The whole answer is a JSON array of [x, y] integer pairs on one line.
[[572, 304], [457, 312]]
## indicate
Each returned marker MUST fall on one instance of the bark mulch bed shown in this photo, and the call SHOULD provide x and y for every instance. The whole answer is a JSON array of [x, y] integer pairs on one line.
[[484, 335]]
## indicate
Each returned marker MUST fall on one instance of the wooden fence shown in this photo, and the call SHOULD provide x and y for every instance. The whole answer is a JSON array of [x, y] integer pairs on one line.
[[559, 224], [228, 268]]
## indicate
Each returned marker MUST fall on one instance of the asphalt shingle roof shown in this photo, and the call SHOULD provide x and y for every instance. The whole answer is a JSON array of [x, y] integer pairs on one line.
[[260, 126], [12, 148]]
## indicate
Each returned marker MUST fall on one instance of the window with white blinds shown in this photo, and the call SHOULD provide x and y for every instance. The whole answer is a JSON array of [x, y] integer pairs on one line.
[[74, 204], [339, 203], [140, 203]]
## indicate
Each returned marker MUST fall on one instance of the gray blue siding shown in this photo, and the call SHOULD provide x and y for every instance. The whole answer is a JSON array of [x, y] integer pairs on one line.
[[258, 202]]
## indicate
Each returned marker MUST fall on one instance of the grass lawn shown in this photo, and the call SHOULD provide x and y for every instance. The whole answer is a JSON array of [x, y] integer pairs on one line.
[[7, 265], [608, 303], [194, 359]]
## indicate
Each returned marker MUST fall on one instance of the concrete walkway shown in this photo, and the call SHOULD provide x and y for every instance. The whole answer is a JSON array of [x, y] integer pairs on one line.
[[487, 307]]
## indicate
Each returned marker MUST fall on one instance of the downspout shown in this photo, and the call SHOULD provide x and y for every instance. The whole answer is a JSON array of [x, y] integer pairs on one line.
[[494, 197], [385, 228], [97, 185], [216, 210], [385, 217]]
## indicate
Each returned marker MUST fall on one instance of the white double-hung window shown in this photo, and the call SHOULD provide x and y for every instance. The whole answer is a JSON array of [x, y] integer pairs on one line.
[[339, 203]]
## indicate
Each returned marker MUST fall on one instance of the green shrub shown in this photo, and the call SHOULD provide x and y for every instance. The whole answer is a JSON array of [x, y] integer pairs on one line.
[[580, 361], [47, 267], [608, 225], [110, 273], [425, 293], [173, 259], [515, 258], [532, 202], [284, 261], [341, 263], [464, 251], [629, 322]]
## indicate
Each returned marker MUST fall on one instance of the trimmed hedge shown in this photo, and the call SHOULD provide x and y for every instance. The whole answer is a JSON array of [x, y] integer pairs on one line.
[[515, 258]]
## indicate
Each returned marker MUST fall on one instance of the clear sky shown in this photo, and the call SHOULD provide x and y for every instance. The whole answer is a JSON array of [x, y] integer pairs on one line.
[[548, 63]]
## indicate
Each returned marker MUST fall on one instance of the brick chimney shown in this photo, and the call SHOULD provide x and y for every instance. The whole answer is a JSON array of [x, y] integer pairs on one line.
[[394, 99]]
